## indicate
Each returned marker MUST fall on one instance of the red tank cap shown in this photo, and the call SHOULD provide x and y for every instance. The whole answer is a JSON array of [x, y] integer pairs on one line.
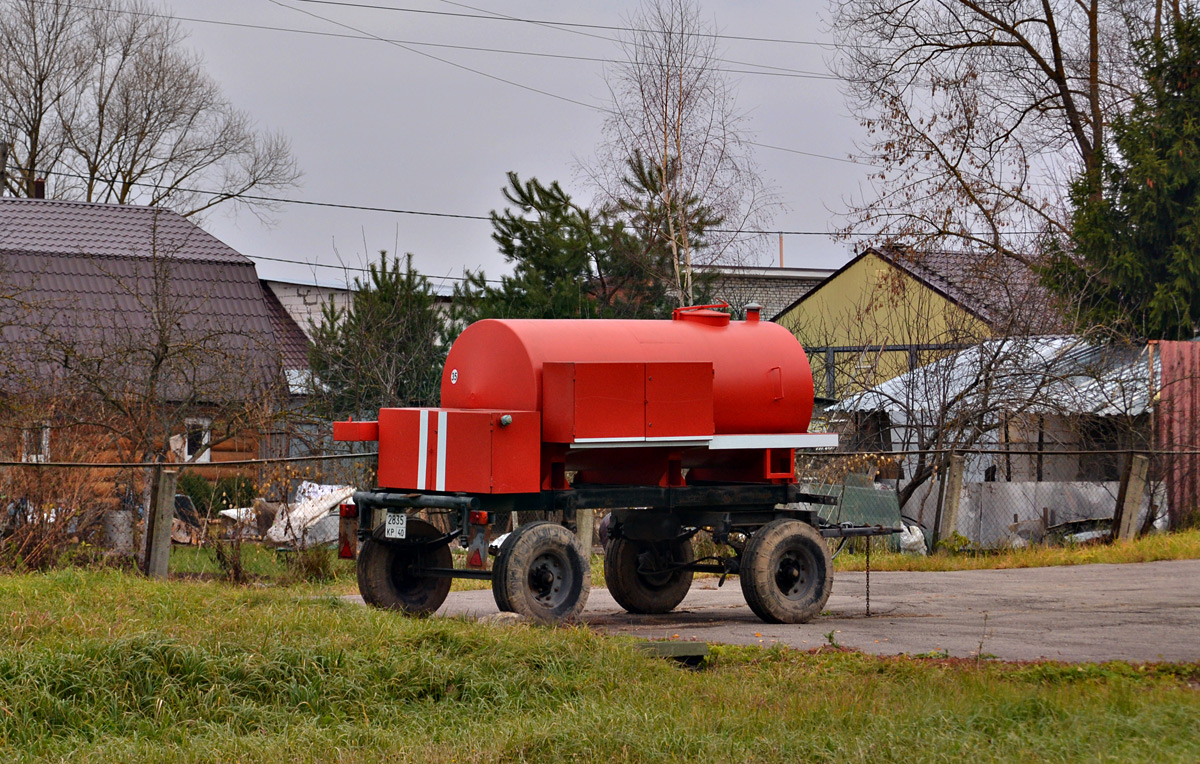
[[703, 314]]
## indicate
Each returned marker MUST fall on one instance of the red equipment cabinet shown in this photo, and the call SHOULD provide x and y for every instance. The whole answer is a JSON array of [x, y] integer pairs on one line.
[[674, 426]]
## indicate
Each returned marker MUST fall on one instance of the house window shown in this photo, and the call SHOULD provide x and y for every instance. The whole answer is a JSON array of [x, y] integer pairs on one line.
[[198, 440], [35, 444]]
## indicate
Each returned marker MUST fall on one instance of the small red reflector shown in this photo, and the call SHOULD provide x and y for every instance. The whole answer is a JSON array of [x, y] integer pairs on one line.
[[346, 552], [348, 510], [476, 560], [477, 517]]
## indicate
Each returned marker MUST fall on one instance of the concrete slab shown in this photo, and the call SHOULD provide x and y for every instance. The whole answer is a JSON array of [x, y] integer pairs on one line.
[[1138, 612]]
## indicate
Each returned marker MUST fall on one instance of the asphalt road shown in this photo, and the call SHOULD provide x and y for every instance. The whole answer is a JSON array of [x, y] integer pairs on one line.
[[1137, 612]]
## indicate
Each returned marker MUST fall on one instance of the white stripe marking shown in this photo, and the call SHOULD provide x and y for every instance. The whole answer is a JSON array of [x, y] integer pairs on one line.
[[440, 474], [782, 440], [422, 448]]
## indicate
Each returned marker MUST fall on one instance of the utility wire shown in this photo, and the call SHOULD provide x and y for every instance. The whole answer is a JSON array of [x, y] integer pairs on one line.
[[461, 216], [367, 36], [593, 107], [357, 269], [490, 16], [618, 41], [542, 22], [448, 62], [777, 71]]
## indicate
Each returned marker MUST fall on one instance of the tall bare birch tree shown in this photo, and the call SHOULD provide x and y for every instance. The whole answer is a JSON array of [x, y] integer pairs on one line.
[[979, 114], [676, 159]]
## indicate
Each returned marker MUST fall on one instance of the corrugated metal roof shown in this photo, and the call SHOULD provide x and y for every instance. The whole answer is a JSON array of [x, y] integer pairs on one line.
[[107, 230], [1061, 374], [292, 343], [1178, 426], [98, 276]]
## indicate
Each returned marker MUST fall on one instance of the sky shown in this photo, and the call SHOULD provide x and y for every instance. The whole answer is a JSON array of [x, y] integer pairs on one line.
[[386, 125]]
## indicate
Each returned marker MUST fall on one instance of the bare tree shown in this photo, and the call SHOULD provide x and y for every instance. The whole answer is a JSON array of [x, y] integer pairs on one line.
[[104, 97], [979, 114], [676, 159], [916, 371], [41, 65]]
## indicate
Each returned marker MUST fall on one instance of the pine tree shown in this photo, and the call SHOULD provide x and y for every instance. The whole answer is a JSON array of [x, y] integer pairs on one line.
[[568, 262], [384, 349], [1133, 265]]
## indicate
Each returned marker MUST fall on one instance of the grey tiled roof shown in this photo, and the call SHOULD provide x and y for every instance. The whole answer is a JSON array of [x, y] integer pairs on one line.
[[95, 274], [292, 342], [107, 230], [988, 285]]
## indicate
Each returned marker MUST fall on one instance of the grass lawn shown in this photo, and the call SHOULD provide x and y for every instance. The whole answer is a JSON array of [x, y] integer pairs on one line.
[[106, 666], [267, 564], [1183, 545]]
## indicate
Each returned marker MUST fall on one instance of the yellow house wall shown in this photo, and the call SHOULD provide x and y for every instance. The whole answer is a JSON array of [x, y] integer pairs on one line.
[[873, 302]]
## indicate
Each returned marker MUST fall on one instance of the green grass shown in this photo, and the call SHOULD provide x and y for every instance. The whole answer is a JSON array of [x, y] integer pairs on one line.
[[106, 666], [267, 565], [1182, 545], [260, 561]]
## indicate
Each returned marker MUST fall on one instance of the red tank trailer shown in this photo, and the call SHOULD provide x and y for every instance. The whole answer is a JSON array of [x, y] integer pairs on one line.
[[674, 426]]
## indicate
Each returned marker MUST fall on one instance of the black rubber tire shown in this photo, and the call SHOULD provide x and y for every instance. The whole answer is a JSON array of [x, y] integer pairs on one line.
[[384, 576], [545, 574], [786, 572], [499, 566], [639, 592]]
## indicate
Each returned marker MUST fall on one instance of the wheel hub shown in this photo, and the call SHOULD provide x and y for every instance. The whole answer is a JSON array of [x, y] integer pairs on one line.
[[791, 576], [546, 577]]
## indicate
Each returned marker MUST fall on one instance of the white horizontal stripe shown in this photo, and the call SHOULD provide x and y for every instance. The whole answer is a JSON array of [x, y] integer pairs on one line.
[[719, 442], [608, 440], [786, 440], [638, 443]]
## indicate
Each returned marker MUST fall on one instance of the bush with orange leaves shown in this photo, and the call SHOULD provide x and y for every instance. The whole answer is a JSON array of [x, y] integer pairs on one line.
[[46, 511]]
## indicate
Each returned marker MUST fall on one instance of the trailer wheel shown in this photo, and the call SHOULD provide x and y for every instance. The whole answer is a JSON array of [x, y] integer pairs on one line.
[[386, 578], [640, 577], [543, 573], [786, 572], [499, 568]]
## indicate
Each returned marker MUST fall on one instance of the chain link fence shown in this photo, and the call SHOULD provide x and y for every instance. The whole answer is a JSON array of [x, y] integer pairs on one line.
[[993, 499], [51, 509], [966, 500]]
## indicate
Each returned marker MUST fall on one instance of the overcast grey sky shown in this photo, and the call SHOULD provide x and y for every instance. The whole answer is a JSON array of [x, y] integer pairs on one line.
[[375, 124]]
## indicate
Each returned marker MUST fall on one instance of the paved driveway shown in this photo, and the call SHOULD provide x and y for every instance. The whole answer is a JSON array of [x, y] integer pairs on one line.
[[1138, 612]]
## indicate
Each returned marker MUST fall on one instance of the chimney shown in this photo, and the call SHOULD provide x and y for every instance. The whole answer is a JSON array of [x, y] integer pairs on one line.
[[39, 188]]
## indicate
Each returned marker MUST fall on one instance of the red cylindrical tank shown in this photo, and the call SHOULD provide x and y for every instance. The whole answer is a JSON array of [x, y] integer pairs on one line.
[[762, 382]]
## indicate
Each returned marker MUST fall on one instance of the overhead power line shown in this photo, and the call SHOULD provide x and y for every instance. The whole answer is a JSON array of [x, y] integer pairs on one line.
[[461, 216], [775, 71], [547, 93], [446, 61], [367, 36], [357, 269], [545, 22]]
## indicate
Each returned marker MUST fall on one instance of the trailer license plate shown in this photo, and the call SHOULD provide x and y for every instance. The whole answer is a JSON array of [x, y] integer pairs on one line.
[[396, 525]]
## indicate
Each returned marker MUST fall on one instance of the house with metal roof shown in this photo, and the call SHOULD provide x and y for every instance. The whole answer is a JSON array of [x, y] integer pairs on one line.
[[112, 308], [891, 310]]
